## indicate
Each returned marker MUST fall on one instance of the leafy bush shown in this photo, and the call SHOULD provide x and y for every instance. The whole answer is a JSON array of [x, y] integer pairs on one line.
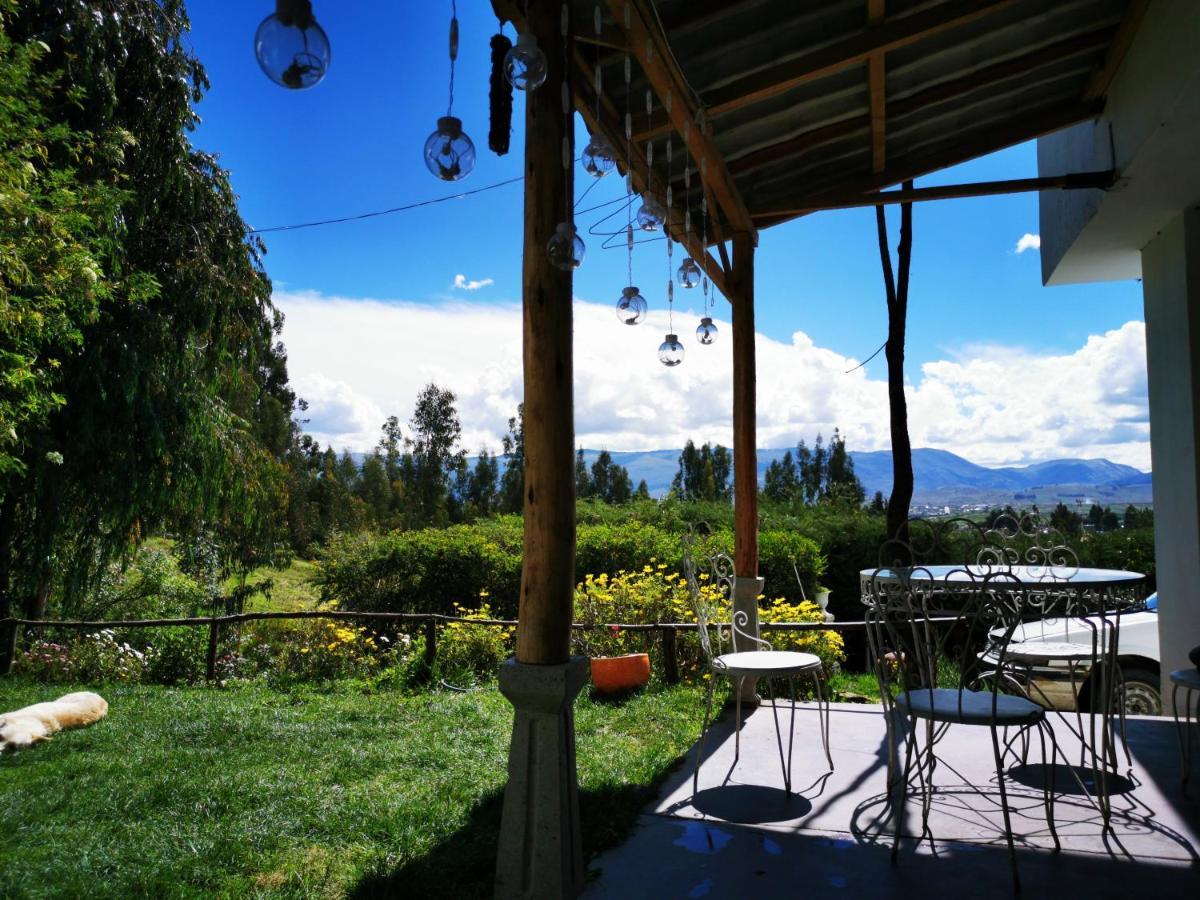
[[1129, 549], [473, 652], [433, 569], [828, 645], [645, 597], [100, 657], [312, 650], [176, 655], [150, 586]]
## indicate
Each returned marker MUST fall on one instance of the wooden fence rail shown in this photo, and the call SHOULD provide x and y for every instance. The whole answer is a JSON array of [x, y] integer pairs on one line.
[[666, 630]]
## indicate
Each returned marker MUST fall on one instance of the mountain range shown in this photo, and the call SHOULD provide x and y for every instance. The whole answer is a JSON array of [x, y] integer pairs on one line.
[[941, 477]]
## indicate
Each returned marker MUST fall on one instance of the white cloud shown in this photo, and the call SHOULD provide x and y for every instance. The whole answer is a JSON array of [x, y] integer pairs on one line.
[[461, 283], [358, 361], [1029, 242]]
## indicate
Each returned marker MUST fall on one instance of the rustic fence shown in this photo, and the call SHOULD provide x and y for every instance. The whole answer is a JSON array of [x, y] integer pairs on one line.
[[666, 630]]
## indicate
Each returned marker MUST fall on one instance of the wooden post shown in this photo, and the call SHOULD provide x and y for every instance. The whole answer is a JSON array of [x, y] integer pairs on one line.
[[670, 657], [430, 643], [548, 570], [214, 636], [745, 453]]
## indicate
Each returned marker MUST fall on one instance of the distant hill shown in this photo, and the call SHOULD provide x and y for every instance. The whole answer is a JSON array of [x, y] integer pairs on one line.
[[941, 477]]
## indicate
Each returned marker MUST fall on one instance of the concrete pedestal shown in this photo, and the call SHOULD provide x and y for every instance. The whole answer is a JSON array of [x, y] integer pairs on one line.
[[746, 591], [539, 853]]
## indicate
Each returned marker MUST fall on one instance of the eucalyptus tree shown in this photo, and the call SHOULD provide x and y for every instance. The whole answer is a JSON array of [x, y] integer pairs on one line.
[[172, 404]]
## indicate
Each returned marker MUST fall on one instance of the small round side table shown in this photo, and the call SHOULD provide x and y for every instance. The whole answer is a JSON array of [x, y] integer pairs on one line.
[[1188, 681]]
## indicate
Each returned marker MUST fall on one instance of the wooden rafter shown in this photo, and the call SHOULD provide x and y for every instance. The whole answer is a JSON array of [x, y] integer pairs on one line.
[[1102, 78], [986, 141], [876, 84], [854, 50], [1074, 181], [644, 178], [668, 83], [942, 92]]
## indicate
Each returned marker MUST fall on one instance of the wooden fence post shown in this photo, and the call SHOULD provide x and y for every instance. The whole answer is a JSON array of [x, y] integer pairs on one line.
[[430, 642], [670, 659], [214, 635]]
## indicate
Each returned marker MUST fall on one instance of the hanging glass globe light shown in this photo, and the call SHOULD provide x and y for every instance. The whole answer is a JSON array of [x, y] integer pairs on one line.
[[598, 157], [291, 47], [650, 215], [706, 331], [688, 274], [670, 351], [449, 153], [565, 248], [631, 308], [525, 64]]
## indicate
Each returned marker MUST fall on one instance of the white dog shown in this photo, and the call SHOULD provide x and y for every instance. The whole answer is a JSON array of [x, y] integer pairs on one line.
[[26, 727]]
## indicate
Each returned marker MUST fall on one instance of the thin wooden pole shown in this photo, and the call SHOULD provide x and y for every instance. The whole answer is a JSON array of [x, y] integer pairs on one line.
[[745, 453], [548, 569]]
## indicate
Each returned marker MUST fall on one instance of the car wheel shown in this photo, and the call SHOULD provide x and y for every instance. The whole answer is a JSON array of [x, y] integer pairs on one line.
[[1140, 692]]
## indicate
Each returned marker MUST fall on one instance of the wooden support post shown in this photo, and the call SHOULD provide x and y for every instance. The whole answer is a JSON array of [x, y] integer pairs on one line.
[[745, 453], [214, 637], [670, 657], [548, 570], [430, 643]]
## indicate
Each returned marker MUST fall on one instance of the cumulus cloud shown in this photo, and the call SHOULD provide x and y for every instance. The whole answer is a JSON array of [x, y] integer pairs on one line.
[[1027, 241], [357, 361], [461, 283]]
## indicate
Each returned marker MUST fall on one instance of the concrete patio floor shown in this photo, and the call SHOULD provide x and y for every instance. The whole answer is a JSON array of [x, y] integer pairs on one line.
[[742, 836]]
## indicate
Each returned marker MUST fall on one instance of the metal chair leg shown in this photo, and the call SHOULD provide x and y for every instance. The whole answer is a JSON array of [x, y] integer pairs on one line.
[[1008, 835], [821, 687], [703, 734], [737, 721], [910, 739], [1048, 785]]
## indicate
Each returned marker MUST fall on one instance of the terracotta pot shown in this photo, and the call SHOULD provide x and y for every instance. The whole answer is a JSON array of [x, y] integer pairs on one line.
[[614, 674]]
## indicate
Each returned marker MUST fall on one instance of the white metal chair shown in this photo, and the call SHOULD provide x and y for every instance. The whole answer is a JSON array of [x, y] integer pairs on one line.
[[763, 663]]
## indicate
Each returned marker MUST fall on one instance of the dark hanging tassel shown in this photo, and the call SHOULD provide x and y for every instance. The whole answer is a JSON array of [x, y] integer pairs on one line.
[[500, 98]]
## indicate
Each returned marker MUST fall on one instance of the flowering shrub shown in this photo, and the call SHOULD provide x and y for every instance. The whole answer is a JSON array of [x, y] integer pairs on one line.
[[473, 651], [97, 657], [828, 645], [644, 597], [312, 650]]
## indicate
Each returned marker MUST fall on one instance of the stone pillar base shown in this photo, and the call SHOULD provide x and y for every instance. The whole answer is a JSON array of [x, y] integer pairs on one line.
[[746, 590], [539, 853]]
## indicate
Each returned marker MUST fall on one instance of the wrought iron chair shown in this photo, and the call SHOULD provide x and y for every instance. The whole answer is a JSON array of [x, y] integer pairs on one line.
[[710, 587], [927, 624]]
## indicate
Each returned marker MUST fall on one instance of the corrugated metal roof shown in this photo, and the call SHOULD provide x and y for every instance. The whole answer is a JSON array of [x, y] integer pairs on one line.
[[1002, 71]]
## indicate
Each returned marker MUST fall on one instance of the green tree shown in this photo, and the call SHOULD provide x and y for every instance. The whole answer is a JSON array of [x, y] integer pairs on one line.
[[878, 504], [374, 489], [643, 490], [1066, 520], [841, 484], [781, 482], [434, 457], [173, 404], [609, 481], [483, 490], [703, 473], [583, 477], [512, 482]]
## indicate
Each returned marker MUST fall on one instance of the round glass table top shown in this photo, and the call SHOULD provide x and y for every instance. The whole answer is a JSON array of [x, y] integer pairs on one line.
[[1024, 576]]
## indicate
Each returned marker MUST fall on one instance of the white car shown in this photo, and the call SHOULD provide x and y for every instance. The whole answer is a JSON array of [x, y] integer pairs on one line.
[[1137, 654]]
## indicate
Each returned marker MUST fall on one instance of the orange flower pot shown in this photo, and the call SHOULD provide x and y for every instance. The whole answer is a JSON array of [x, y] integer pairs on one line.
[[614, 674]]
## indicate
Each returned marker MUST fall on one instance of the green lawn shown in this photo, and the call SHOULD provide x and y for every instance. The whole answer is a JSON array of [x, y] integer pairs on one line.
[[248, 791]]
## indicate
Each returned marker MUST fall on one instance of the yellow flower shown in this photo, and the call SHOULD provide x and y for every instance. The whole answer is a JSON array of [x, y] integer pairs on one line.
[[303, 649]]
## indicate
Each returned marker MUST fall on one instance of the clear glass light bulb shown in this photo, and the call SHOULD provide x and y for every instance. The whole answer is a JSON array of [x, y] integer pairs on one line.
[[598, 157], [565, 248], [670, 351], [449, 153], [688, 274], [632, 306], [291, 48], [706, 331], [525, 64], [650, 215]]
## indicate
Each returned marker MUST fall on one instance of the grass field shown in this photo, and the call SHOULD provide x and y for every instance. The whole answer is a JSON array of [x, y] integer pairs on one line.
[[245, 791]]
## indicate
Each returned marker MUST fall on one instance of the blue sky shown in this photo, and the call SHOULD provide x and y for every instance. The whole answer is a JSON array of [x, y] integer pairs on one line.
[[353, 144]]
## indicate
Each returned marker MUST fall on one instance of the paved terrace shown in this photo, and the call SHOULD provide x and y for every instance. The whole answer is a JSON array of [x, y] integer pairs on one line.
[[741, 836]]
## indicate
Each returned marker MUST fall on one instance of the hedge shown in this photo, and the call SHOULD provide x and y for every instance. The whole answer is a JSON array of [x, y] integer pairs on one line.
[[432, 569]]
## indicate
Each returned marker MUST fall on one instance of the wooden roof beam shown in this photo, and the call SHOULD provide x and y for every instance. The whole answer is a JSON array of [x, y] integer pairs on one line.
[[1074, 181], [877, 86], [654, 55], [895, 32], [987, 141], [1102, 78]]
